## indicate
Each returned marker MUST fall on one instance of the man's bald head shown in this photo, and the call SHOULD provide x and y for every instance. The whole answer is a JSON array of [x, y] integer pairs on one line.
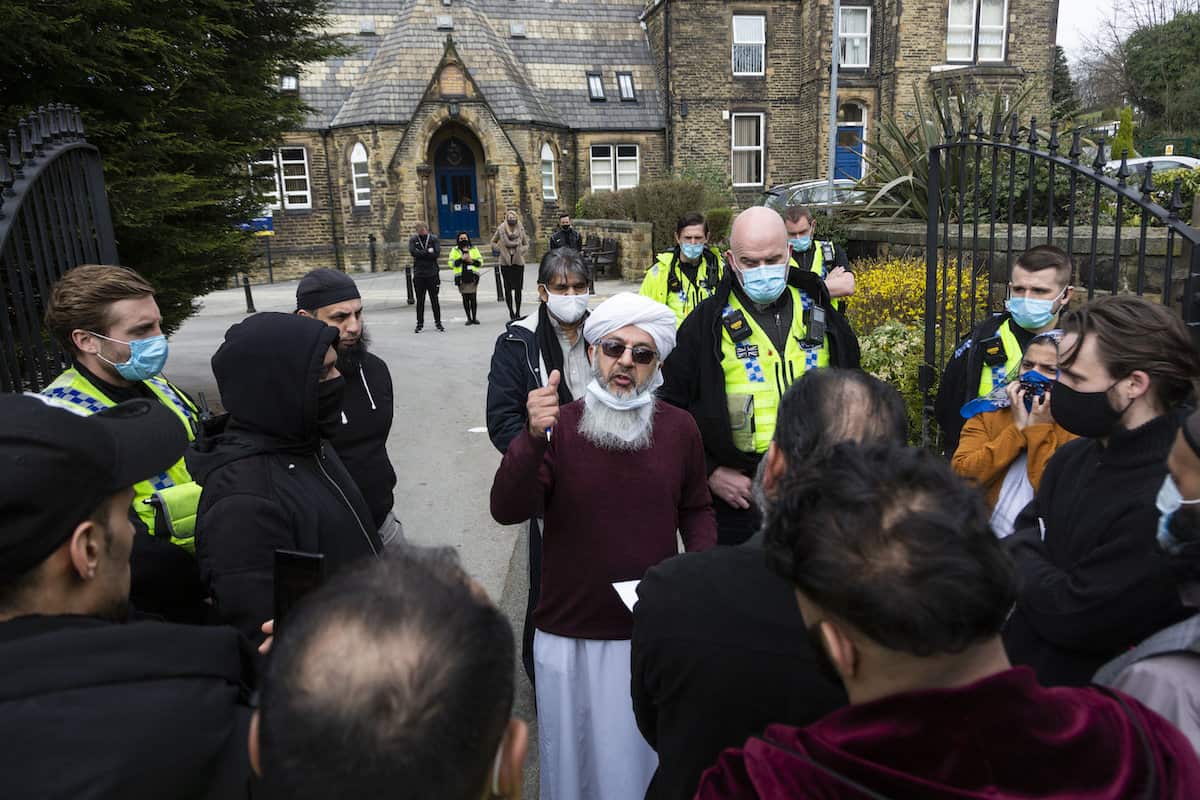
[[758, 237]]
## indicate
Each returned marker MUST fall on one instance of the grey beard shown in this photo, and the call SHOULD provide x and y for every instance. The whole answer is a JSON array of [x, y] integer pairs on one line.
[[611, 429]]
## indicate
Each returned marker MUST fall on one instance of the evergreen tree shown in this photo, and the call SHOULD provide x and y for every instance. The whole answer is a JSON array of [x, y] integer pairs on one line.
[[178, 96], [1064, 96], [1122, 143]]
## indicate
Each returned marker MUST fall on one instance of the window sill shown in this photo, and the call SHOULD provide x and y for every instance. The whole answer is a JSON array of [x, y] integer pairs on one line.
[[749, 74]]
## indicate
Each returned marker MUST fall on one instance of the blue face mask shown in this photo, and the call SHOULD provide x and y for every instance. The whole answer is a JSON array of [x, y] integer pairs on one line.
[[147, 357], [1169, 501], [691, 251], [800, 244], [1031, 314], [764, 284]]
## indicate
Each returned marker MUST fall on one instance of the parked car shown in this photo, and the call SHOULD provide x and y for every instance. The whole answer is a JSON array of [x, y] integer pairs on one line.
[[1161, 163], [814, 194]]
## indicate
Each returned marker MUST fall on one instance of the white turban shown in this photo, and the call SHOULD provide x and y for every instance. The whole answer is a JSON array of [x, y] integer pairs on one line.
[[628, 308]]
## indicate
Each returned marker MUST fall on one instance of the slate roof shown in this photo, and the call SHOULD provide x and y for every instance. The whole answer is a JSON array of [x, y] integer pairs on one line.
[[541, 78]]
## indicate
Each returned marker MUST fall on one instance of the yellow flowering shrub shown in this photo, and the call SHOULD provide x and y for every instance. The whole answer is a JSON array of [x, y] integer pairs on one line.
[[893, 289], [893, 352]]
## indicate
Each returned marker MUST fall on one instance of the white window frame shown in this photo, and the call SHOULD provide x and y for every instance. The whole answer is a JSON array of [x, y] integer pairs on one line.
[[761, 44], [271, 196], [760, 148], [289, 83], [596, 89], [615, 160], [360, 175], [975, 27], [279, 197], [549, 191], [625, 80], [625, 159], [612, 167], [844, 36]]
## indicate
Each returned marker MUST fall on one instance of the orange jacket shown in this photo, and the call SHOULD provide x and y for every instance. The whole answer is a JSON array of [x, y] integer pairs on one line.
[[990, 442]]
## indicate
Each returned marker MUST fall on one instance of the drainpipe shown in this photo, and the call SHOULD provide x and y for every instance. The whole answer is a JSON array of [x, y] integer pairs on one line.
[[334, 209], [667, 87]]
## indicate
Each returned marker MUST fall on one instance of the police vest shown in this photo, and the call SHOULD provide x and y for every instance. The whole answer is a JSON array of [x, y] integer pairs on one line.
[[757, 374], [824, 255], [167, 502], [993, 376], [684, 298], [456, 256]]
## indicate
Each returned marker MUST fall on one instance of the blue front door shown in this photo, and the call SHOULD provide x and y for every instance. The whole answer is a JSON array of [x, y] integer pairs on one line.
[[457, 192], [848, 162]]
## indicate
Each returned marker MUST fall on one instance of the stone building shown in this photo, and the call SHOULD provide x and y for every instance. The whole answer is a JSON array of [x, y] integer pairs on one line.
[[452, 111]]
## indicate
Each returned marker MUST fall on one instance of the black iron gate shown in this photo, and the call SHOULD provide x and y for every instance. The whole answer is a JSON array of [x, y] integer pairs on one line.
[[994, 194], [54, 215]]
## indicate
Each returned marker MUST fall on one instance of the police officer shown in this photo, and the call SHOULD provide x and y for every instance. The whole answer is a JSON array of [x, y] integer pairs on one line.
[[466, 261], [684, 276], [739, 351], [825, 259], [107, 319], [1039, 291]]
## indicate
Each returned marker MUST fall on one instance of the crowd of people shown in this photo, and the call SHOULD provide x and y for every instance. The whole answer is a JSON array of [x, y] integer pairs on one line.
[[744, 583]]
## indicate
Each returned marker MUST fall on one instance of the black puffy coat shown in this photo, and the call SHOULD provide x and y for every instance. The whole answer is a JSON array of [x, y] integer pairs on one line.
[[270, 482]]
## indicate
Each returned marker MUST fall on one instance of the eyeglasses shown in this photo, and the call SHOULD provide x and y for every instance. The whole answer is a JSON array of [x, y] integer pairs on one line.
[[641, 354]]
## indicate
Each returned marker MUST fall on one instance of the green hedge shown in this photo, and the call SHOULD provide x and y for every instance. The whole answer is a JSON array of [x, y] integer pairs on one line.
[[661, 203]]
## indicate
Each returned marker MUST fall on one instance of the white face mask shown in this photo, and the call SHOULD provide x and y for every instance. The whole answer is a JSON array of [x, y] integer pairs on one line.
[[568, 308]]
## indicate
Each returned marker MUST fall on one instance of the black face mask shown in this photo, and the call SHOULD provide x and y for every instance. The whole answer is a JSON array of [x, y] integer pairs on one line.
[[1085, 413], [821, 656], [329, 405], [566, 227], [463, 245]]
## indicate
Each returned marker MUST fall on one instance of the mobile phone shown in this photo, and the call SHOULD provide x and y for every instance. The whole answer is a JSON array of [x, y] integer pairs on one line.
[[296, 574]]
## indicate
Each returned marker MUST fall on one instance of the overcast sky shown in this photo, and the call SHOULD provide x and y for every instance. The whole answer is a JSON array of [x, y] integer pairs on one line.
[[1078, 20]]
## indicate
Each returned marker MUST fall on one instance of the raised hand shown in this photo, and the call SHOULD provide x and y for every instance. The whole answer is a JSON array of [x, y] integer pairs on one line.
[[542, 405]]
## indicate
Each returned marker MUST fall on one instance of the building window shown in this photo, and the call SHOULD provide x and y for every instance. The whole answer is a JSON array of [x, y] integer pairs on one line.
[[283, 173], [622, 175], [627, 166], [749, 45], [747, 149], [855, 36], [548, 191], [595, 86], [289, 83], [625, 85], [362, 180], [976, 31]]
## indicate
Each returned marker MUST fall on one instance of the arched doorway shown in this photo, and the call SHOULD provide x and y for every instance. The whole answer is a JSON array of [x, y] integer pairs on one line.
[[851, 129], [456, 186]]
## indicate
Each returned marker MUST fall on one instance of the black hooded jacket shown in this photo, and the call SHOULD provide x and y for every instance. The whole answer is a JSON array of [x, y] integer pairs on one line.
[[270, 482], [93, 710]]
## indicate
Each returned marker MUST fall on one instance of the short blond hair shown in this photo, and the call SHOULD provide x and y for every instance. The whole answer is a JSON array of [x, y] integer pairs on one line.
[[82, 298]]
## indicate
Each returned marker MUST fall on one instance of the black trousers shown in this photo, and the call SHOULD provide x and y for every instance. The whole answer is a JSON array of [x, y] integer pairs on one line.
[[471, 305], [427, 286], [735, 525], [514, 280], [535, 593]]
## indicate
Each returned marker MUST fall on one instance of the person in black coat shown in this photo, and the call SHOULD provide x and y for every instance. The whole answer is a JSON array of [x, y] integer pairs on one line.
[[93, 706], [1092, 580], [425, 250], [271, 481], [525, 355], [695, 376], [723, 624], [361, 440], [565, 235]]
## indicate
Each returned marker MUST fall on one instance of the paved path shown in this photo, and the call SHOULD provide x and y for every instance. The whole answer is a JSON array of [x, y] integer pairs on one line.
[[439, 445]]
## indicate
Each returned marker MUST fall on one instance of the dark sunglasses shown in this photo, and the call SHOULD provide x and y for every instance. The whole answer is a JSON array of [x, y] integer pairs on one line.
[[641, 354]]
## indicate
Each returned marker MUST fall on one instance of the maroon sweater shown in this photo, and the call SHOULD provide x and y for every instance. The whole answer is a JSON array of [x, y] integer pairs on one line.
[[609, 516]]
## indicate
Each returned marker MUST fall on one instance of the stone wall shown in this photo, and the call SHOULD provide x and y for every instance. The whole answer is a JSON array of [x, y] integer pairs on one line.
[[634, 240]]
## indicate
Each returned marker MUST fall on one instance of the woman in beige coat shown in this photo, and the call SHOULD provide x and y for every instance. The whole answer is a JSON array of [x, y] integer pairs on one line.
[[511, 241]]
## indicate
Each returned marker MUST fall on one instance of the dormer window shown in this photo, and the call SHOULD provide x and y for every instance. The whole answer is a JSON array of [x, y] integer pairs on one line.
[[595, 86]]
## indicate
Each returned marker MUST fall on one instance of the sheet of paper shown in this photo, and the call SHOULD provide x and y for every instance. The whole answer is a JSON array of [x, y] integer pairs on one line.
[[627, 591]]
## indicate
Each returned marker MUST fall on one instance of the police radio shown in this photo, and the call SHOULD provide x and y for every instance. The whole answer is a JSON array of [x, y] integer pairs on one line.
[[814, 326], [993, 351], [735, 325]]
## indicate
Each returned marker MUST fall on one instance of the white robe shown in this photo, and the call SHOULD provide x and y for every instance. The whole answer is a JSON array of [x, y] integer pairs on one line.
[[589, 746]]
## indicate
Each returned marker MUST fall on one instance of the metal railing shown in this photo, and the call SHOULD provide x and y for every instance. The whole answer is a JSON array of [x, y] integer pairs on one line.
[[994, 194], [54, 215]]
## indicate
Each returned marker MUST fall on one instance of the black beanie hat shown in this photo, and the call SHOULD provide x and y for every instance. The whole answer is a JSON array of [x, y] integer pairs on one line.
[[324, 287]]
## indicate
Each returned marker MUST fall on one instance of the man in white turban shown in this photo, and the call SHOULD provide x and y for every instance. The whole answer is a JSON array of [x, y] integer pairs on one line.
[[616, 474]]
